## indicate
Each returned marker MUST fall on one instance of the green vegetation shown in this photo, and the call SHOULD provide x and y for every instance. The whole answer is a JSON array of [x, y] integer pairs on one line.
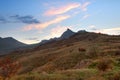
[[82, 57]]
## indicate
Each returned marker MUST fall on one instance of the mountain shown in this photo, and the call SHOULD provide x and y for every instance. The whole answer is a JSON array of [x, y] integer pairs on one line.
[[68, 33], [79, 54], [76, 52], [9, 43]]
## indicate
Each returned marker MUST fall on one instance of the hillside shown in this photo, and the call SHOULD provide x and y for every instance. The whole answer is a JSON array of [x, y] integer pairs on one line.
[[8, 44], [70, 58]]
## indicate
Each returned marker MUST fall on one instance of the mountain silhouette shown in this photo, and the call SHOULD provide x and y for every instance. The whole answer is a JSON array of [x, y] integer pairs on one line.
[[9, 43], [68, 33]]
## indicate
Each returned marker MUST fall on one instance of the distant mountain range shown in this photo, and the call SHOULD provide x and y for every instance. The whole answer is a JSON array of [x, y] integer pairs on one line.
[[72, 50], [9, 44], [68, 33]]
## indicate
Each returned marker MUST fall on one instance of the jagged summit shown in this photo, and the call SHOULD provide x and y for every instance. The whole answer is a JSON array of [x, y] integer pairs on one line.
[[68, 29], [67, 34]]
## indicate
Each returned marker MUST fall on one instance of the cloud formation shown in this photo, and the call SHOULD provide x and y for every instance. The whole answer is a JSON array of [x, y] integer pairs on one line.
[[113, 31], [86, 16], [19, 19], [25, 19], [3, 20], [92, 27], [59, 12], [62, 9], [34, 39], [57, 31], [84, 6], [110, 30], [46, 24]]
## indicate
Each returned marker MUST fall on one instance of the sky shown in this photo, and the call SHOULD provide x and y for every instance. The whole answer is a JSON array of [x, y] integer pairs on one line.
[[31, 21]]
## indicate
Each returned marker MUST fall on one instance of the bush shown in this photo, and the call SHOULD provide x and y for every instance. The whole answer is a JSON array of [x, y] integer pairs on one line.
[[8, 68], [104, 64], [115, 77], [92, 65], [92, 51], [96, 78]]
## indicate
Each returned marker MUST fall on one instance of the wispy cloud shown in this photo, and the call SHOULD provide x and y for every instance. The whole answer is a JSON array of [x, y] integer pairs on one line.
[[46, 24], [84, 6], [86, 16], [3, 20], [62, 9], [92, 27], [34, 39], [59, 12], [114, 31], [19, 19], [110, 30], [25, 19], [66, 8]]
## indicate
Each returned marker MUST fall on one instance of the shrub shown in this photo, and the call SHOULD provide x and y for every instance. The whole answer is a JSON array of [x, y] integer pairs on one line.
[[96, 78], [104, 64], [92, 65], [116, 76], [8, 68], [81, 49], [92, 51]]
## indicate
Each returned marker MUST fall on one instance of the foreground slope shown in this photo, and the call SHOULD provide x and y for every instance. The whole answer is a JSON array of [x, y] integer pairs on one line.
[[67, 53], [70, 58]]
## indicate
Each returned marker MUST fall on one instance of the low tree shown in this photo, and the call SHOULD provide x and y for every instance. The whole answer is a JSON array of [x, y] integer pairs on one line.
[[8, 68]]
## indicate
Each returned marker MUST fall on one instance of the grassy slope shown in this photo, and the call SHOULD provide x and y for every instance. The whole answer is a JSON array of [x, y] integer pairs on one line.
[[63, 60]]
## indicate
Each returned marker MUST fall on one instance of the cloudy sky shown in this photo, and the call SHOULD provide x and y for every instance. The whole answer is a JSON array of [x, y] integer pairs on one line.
[[31, 21]]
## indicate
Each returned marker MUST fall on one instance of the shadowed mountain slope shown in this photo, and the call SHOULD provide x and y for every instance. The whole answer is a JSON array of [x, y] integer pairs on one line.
[[9, 43]]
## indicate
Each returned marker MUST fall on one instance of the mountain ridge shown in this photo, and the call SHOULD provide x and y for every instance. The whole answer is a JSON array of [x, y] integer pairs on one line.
[[68, 33], [9, 43], [69, 53]]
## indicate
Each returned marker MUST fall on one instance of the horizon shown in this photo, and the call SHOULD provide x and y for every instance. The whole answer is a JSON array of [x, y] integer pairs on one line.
[[32, 21], [58, 36]]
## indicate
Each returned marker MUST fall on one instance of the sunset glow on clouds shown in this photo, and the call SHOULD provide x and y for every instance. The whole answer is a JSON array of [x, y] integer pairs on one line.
[[46, 24], [27, 20], [56, 11], [56, 32], [111, 31], [66, 8], [62, 9]]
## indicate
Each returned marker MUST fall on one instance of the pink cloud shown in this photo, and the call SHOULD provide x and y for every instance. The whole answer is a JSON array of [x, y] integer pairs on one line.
[[66, 8], [61, 10], [46, 24], [28, 28]]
